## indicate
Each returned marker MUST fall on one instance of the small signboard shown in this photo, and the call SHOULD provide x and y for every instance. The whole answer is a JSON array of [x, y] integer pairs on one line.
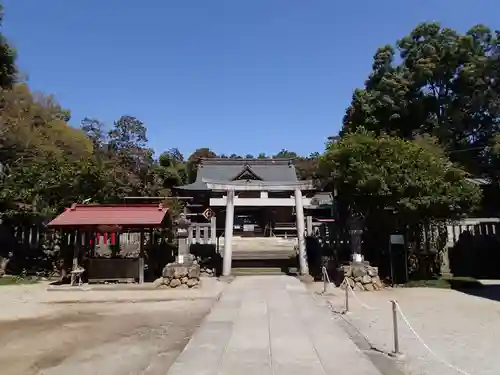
[[208, 213], [248, 227], [397, 239]]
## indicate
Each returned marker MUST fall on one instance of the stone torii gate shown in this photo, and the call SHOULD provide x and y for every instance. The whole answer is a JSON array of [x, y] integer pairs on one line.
[[231, 187]]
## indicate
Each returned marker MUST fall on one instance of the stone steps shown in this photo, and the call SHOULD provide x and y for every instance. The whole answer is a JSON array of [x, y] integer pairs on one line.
[[261, 254], [261, 244], [274, 266], [256, 271]]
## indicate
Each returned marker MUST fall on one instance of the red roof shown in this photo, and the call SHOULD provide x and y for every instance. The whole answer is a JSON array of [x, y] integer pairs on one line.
[[124, 215]]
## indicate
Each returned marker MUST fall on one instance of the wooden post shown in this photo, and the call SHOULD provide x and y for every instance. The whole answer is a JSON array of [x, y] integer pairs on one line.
[[299, 214], [76, 250], [141, 258], [213, 230], [228, 234]]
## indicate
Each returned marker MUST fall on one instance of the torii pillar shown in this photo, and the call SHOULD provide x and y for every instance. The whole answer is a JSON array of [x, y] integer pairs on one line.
[[228, 235], [231, 187], [299, 216]]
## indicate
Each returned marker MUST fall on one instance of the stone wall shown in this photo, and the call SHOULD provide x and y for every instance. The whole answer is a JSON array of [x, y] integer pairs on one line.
[[207, 266], [360, 276], [182, 276], [207, 257]]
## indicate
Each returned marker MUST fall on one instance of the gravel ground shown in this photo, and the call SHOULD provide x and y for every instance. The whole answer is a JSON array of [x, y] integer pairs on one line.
[[97, 332], [461, 329]]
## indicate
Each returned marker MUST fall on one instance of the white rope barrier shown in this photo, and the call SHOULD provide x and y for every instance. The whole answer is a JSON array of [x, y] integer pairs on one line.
[[346, 282], [443, 361], [357, 298], [403, 316]]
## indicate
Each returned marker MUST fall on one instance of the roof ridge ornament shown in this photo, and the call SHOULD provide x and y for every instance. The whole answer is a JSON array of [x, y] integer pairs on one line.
[[247, 170]]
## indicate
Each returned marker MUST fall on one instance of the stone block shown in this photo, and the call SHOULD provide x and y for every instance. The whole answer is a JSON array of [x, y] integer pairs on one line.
[[180, 270], [159, 282], [174, 283], [181, 275], [372, 271], [358, 270], [187, 259], [361, 276], [366, 279], [376, 281], [194, 271]]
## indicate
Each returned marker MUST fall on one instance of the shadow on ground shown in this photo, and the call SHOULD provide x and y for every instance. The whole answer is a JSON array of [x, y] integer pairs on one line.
[[489, 291]]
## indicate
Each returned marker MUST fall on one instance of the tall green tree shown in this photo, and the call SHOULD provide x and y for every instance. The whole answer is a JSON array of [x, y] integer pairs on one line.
[[194, 158], [96, 132], [131, 158], [439, 82], [284, 153], [413, 179], [8, 69]]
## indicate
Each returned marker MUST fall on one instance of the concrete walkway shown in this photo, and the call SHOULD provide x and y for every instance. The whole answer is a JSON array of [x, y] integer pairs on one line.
[[270, 325]]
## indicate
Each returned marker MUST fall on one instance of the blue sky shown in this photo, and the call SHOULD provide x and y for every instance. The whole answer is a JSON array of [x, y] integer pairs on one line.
[[238, 76]]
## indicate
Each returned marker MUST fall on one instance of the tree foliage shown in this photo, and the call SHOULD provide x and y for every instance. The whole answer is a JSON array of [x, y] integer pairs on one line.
[[436, 81], [414, 179], [8, 69]]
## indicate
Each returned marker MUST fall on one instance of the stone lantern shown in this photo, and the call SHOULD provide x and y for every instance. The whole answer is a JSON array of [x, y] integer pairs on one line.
[[184, 273], [182, 225], [356, 226]]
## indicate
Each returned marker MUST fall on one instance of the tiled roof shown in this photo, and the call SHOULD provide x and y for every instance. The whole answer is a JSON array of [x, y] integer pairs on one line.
[[126, 216], [479, 181], [322, 199], [268, 170]]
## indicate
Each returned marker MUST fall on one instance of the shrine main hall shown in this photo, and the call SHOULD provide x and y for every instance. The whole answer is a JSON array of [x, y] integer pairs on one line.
[[254, 197]]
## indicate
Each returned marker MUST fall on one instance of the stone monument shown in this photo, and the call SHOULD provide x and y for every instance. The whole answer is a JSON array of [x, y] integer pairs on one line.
[[359, 274], [185, 271]]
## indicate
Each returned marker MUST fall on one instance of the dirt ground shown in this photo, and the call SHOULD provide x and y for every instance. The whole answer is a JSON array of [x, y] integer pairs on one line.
[[125, 337]]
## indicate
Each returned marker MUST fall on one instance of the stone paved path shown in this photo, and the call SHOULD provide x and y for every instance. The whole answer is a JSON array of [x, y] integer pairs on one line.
[[270, 325]]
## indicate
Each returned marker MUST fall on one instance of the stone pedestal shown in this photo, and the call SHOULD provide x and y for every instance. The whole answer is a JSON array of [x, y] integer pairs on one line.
[[180, 275], [360, 276], [187, 259]]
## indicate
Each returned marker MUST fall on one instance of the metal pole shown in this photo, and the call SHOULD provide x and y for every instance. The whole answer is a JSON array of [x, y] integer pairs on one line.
[[391, 262], [325, 280], [395, 326], [347, 286]]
